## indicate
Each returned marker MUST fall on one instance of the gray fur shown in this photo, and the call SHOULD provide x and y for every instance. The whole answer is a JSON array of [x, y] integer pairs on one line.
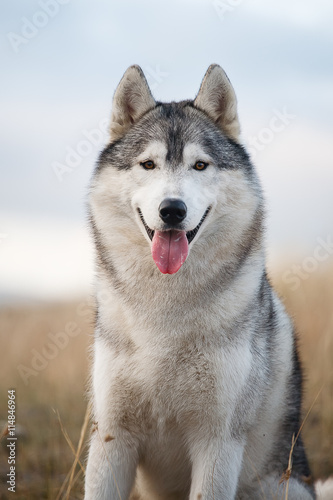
[[196, 374]]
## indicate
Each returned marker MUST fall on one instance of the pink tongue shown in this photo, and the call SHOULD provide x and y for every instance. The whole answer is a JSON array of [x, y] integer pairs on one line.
[[169, 250]]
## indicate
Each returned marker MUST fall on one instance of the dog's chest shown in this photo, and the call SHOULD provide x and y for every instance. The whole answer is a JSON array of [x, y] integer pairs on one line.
[[183, 376], [155, 390]]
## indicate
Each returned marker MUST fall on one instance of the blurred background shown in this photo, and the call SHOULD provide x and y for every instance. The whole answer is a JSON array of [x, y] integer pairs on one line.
[[61, 62]]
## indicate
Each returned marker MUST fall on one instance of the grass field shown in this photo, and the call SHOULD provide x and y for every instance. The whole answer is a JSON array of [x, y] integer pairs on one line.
[[44, 357]]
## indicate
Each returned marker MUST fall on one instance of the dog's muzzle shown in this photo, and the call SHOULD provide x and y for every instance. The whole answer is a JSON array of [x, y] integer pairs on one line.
[[170, 246]]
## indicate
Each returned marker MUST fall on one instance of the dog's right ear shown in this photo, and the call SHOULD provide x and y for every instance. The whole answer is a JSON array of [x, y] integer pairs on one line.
[[217, 98], [132, 99]]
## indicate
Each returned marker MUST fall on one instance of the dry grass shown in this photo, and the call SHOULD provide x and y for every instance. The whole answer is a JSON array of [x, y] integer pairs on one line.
[[311, 307], [44, 458], [51, 454]]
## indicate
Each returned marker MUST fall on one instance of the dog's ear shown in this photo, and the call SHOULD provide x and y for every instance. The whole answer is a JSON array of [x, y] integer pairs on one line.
[[217, 99], [132, 99]]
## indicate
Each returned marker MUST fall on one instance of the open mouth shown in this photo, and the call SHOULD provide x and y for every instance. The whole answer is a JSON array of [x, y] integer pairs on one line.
[[190, 235]]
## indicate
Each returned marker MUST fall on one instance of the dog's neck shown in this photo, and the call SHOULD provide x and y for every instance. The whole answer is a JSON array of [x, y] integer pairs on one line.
[[146, 302]]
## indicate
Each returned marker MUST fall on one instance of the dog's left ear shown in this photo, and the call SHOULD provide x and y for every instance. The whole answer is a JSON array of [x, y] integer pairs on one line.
[[132, 99], [217, 98]]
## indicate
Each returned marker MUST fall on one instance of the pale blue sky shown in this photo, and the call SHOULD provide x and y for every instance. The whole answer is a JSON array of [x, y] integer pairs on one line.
[[58, 84]]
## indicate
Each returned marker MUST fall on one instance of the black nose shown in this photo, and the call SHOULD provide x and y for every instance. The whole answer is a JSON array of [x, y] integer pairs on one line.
[[172, 211]]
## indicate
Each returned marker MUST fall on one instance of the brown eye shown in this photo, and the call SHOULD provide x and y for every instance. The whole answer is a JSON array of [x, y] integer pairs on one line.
[[148, 165], [200, 165]]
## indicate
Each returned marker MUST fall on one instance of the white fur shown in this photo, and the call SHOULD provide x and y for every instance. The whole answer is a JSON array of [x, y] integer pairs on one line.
[[324, 489]]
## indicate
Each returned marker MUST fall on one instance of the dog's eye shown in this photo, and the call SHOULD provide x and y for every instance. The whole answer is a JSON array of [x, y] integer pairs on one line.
[[148, 165], [200, 165]]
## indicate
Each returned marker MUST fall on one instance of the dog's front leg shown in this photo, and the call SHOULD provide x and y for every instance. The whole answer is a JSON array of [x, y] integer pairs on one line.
[[216, 469], [110, 470]]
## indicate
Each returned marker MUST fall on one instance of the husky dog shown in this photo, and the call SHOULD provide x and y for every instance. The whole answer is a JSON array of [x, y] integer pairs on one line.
[[196, 378]]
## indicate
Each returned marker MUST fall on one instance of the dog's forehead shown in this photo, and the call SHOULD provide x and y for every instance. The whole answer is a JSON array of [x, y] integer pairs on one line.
[[175, 134], [173, 126]]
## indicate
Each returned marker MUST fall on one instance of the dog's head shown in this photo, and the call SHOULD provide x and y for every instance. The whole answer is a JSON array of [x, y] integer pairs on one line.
[[175, 171]]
